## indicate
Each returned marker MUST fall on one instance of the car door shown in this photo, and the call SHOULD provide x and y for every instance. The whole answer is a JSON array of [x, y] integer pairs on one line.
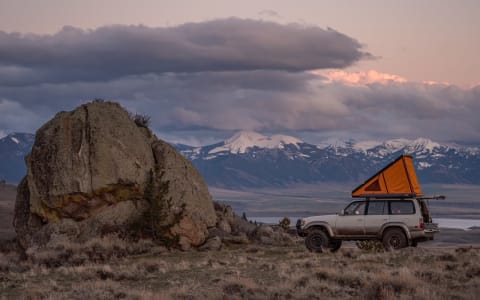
[[352, 221], [376, 215]]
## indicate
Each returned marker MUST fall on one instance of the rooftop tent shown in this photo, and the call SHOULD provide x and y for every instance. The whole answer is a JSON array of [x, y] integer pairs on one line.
[[398, 179]]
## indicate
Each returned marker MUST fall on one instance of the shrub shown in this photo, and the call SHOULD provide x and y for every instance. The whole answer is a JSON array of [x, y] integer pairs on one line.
[[141, 120], [159, 218], [371, 246], [285, 223]]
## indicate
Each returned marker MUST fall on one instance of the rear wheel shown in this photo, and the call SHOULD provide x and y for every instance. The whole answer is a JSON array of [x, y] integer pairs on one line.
[[394, 239], [317, 241]]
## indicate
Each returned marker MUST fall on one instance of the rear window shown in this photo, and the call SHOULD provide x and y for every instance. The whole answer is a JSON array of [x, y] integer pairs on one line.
[[401, 208], [376, 208]]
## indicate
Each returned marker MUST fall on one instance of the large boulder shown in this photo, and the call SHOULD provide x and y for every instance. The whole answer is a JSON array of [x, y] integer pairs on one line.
[[97, 169]]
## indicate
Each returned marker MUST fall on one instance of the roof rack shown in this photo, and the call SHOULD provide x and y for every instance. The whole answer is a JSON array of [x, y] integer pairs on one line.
[[401, 196]]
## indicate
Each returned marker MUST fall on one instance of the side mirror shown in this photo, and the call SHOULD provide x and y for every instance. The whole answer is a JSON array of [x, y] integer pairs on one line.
[[342, 212]]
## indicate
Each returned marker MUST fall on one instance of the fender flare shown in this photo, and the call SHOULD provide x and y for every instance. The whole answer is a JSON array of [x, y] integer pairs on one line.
[[319, 224], [397, 225]]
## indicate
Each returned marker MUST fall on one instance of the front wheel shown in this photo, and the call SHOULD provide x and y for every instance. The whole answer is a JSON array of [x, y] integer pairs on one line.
[[394, 239], [317, 241], [335, 245]]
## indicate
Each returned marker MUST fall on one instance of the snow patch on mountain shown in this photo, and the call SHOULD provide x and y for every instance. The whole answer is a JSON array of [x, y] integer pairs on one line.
[[335, 143], [423, 165], [395, 144], [15, 140], [366, 145], [423, 144], [383, 148], [243, 140]]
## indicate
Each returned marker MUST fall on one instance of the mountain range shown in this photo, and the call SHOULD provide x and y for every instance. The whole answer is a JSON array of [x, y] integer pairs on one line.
[[13, 149], [250, 159]]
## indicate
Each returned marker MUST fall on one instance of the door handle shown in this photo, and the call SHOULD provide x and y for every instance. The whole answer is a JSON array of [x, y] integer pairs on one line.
[[359, 220]]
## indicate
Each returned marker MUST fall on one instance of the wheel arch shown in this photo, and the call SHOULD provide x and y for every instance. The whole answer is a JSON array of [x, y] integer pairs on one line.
[[400, 226], [320, 225]]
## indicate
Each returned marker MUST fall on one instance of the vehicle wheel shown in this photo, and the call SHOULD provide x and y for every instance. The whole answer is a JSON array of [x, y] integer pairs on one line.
[[394, 239], [335, 245], [317, 241]]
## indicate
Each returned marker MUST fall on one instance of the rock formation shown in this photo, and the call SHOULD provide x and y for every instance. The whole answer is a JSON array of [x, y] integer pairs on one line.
[[96, 169]]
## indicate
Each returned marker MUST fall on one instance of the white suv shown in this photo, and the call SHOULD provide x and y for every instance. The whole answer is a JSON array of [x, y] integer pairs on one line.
[[397, 222]]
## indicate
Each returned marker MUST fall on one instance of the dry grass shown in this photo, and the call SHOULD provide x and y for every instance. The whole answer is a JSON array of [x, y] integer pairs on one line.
[[252, 272]]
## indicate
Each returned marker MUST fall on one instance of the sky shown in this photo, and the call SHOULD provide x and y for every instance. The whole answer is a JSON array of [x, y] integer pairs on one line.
[[205, 69]]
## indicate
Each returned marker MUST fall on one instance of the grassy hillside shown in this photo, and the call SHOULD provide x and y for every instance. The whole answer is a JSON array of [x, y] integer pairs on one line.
[[250, 272], [107, 268]]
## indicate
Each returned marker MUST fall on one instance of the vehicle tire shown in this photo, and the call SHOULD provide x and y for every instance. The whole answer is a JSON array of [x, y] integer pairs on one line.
[[335, 245], [394, 239], [317, 241]]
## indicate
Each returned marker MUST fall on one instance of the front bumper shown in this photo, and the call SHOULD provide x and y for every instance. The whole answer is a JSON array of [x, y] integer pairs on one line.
[[299, 227]]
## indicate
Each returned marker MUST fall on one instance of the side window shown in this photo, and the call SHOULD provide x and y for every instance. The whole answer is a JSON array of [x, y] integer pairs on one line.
[[401, 208], [376, 208], [355, 208]]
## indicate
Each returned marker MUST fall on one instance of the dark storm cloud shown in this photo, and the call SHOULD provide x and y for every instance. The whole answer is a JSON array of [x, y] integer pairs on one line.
[[112, 52]]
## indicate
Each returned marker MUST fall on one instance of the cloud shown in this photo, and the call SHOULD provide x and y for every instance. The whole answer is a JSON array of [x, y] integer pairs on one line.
[[201, 81], [361, 78], [202, 105], [112, 52], [17, 118]]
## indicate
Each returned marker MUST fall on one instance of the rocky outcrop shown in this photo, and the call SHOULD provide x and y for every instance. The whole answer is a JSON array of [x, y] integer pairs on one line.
[[234, 230], [95, 169]]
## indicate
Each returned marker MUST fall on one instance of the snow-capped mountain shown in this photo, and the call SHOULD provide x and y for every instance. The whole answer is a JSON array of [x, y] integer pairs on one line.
[[13, 149], [252, 159], [244, 140]]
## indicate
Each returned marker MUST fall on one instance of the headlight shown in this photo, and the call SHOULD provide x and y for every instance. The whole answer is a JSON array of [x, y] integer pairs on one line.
[[300, 223]]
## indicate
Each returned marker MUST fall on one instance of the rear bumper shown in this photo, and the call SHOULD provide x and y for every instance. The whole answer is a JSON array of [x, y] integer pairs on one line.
[[426, 234]]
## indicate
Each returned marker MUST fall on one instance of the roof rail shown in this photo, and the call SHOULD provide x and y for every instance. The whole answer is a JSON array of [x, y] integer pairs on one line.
[[401, 196], [387, 196], [439, 197]]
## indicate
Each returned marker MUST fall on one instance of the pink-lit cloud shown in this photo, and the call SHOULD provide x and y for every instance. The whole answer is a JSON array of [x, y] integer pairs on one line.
[[359, 78]]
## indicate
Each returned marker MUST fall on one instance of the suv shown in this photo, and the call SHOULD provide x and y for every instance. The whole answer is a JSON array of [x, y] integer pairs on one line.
[[397, 222]]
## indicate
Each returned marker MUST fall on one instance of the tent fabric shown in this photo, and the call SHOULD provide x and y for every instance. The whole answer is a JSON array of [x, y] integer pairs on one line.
[[397, 179]]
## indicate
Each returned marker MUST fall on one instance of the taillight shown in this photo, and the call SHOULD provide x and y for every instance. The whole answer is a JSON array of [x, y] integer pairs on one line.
[[421, 224]]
